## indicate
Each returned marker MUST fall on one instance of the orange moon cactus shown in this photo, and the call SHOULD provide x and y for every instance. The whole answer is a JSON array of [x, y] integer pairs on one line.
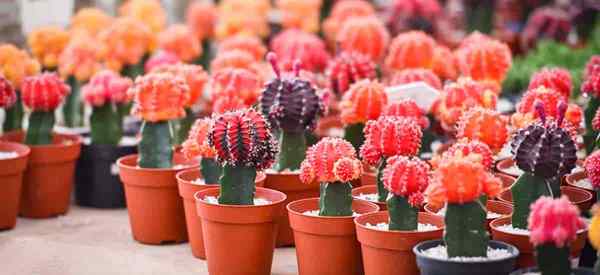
[[194, 76], [413, 49], [239, 59], [366, 35], [486, 61], [125, 42], [16, 64], [471, 149], [201, 17], [90, 20], [159, 97], [242, 17], [444, 63], [343, 11], [179, 40], [150, 12], [81, 58], [485, 125], [239, 83], [197, 144], [250, 44], [414, 75], [46, 44], [364, 101]]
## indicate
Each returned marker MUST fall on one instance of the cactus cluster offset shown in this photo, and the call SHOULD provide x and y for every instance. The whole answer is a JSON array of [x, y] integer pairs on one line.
[[488, 126], [406, 177], [44, 92], [554, 221], [348, 68], [8, 97], [389, 136], [408, 108], [330, 160], [544, 148], [290, 103], [243, 138]]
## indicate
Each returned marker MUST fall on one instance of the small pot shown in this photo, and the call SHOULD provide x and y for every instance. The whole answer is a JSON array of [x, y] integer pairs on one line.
[[240, 239], [368, 189], [390, 252], [326, 245], [97, 182], [433, 266], [575, 271], [499, 207], [579, 197], [290, 184], [527, 258], [48, 179], [187, 189], [11, 176], [155, 209], [573, 178]]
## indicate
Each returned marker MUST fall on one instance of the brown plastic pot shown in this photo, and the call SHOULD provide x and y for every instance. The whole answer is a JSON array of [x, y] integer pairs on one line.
[[572, 180], [289, 183], [526, 249], [11, 176], [390, 252], [187, 189], [48, 179], [499, 207], [326, 245], [240, 239], [155, 209], [368, 189], [579, 197]]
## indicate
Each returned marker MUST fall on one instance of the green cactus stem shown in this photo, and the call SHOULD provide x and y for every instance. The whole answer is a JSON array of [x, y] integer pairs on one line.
[[403, 216], [73, 108], [13, 119], [207, 54], [292, 150], [590, 136], [382, 192], [211, 170], [182, 126], [156, 146], [553, 260], [237, 185], [40, 128], [135, 70], [335, 199], [466, 234], [105, 124], [526, 190], [354, 134], [124, 109]]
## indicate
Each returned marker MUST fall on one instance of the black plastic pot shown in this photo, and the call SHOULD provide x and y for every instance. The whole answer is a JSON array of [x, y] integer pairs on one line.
[[576, 271], [433, 266], [97, 182]]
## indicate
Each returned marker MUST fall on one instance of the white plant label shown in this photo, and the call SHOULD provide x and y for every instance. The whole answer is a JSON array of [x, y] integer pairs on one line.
[[38, 13], [423, 94]]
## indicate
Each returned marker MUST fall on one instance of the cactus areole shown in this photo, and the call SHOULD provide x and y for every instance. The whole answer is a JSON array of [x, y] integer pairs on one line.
[[291, 105], [545, 152]]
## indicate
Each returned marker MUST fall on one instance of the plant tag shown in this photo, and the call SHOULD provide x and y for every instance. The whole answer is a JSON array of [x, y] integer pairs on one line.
[[38, 13], [423, 94]]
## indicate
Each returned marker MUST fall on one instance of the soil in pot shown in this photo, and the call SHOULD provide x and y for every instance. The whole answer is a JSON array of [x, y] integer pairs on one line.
[[502, 231], [326, 245], [48, 179], [190, 181], [495, 210], [155, 209], [240, 239], [390, 252], [13, 161], [97, 182], [290, 184], [534, 271], [431, 261], [579, 197], [368, 193]]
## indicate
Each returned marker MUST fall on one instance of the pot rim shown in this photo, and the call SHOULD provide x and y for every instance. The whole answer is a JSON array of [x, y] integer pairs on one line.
[[572, 178], [200, 200], [260, 175], [428, 208], [358, 221], [292, 211], [509, 247], [23, 150], [76, 140], [132, 167], [495, 224]]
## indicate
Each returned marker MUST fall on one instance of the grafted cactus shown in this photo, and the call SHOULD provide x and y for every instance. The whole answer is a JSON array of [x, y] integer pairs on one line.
[[342, 11], [293, 44], [557, 79], [333, 163], [413, 49], [292, 105], [366, 35], [243, 143], [485, 125], [406, 179], [348, 68], [468, 148], [197, 145], [408, 108], [487, 61], [545, 152]]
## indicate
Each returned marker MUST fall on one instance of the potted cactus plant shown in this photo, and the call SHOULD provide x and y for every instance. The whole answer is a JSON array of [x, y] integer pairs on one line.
[[97, 181], [387, 238], [13, 161], [149, 176], [239, 212], [48, 180], [459, 182], [554, 224], [292, 106], [591, 87], [323, 227]]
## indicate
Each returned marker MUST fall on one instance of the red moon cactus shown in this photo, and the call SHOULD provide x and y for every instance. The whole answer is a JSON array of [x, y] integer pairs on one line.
[[557, 79], [554, 221], [488, 126], [8, 97], [408, 108], [330, 160], [43, 92], [412, 49], [406, 177], [348, 68], [390, 136]]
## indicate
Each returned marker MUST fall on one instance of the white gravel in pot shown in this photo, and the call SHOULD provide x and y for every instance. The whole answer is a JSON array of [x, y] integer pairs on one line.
[[215, 200], [372, 197], [440, 252], [315, 213], [8, 155], [422, 227]]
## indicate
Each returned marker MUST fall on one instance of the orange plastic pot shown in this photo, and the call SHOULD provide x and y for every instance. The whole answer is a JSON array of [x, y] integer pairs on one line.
[[240, 239], [48, 179], [390, 252], [290, 184], [498, 207], [11, 176], [507, 181], [526, 249], [326, 245], [187, 189], [579, 197], [368, 189], [155, 209]]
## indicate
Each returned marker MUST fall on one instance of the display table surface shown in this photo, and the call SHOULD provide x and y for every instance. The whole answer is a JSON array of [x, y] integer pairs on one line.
[[91, 241]]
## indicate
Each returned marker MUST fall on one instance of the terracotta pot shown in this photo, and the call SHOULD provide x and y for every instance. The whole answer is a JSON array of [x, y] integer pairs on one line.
[[289, 183], [326, 245], [187, 189], [507, 181], [498, 207], [368, 189], [368, 178], [521, 241], [11, 176], [390, 252], [330, 126], [48, 179], [572, 180], [155, 209], [579, 197], [240, 239]]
